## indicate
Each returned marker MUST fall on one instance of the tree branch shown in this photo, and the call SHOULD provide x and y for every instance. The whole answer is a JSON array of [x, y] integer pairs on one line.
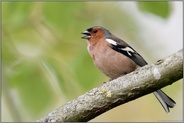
[[121, 90]]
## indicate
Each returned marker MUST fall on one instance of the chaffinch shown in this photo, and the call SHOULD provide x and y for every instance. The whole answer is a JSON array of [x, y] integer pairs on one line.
[[115, 58]]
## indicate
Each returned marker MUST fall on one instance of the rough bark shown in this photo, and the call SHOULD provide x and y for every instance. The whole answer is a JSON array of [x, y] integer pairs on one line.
[[121, 90]]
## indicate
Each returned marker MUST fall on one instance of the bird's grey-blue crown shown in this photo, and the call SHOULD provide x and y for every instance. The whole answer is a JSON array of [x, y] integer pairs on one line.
[[106, 31]]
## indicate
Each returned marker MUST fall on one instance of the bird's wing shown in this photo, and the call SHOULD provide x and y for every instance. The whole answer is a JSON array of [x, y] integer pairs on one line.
[[123, 48]]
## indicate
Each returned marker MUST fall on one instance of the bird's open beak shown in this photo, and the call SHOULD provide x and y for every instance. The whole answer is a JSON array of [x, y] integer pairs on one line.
[[88, 35]]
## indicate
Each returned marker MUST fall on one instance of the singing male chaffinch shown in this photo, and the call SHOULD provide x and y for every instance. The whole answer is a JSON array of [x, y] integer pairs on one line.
[[115, 58]]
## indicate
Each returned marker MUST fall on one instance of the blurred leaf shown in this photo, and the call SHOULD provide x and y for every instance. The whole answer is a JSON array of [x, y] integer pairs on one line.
[[14, 14], [63, 15], [27, 79], [161, 9]]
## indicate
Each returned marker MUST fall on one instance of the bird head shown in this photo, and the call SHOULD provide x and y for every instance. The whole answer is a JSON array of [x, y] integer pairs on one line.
[[96, 32]]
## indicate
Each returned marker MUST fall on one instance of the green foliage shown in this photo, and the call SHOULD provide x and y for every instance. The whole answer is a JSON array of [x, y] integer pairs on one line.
[[161, 9], [44, 58], [30, 83]]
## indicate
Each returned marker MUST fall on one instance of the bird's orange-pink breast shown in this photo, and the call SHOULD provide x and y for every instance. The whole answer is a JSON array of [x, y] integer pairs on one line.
[[112, 63]]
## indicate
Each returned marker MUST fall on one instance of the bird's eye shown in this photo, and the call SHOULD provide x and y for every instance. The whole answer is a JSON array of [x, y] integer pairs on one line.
[[94, 31]]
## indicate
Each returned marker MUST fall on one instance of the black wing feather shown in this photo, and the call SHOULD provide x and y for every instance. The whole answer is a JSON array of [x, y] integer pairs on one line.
[[138, 59]]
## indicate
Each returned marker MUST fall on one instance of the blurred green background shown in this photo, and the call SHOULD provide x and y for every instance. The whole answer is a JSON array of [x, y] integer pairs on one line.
[[45, 62]]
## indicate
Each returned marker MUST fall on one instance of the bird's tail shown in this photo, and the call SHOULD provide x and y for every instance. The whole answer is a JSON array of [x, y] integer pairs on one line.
[[165, 100]]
